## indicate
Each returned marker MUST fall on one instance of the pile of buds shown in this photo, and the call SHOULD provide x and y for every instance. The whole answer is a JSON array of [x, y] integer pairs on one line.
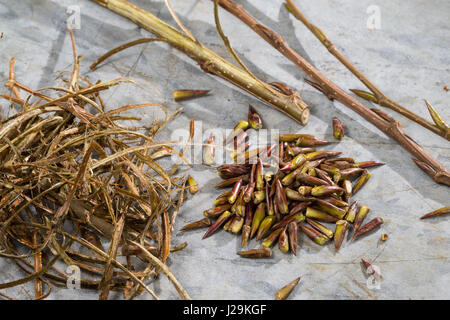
[[306, 190]]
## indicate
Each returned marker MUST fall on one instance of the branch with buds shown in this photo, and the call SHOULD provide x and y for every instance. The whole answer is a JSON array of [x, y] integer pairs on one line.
[[210, 62], [381, 120], [376, 95]]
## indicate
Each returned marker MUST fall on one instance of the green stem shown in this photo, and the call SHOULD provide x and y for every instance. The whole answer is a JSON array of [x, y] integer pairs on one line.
[[209, 61]]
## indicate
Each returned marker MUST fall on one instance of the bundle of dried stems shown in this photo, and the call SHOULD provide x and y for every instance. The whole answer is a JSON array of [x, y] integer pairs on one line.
[[71, 178]]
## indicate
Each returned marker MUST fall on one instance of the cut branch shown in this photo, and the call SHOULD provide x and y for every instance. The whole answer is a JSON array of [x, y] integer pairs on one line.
[[209, 61], [378, 96], [391, 128]]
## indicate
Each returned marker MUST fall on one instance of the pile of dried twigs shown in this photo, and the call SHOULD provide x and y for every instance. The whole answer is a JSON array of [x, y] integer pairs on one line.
[[71, 179]]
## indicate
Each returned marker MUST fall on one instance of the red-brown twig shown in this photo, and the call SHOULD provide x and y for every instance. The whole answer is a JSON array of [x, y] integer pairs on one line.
[[391, 128], [377, 96]]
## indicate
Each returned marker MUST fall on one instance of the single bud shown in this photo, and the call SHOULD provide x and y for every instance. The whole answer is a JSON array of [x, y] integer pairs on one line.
[[179, 95], [338, 128]]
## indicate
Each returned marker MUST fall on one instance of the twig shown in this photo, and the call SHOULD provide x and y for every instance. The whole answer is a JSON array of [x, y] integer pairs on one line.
[[156, 262], [391, 128], [120, 48], [386, 102], [179, 23], [226, 41], [209, 61], [76, 65], [112, 253], [377, 96], [178, 205]]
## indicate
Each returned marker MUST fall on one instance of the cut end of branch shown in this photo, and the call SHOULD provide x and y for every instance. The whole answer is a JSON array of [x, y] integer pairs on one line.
[[297, 109]]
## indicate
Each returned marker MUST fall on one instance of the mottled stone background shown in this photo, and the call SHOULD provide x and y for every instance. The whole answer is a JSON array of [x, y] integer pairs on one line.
[[408, 58]]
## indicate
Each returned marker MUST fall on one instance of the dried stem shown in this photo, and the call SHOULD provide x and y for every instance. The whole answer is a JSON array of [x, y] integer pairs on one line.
[[378, 96], [227, 43], [76, 63], [165, 269], [391, 128], [209, 61], [120, 48], [178, 21], [112, 253]]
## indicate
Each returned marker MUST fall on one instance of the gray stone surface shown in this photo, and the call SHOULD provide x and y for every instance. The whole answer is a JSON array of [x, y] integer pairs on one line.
[[408, 58]]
